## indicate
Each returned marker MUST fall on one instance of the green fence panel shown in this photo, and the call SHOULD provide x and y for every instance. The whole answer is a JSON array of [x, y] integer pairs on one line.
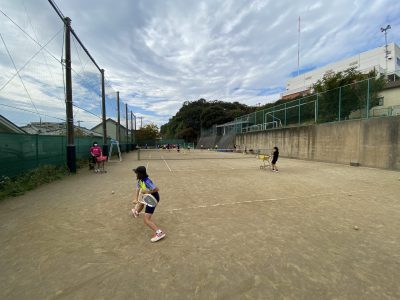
[[22, 152]]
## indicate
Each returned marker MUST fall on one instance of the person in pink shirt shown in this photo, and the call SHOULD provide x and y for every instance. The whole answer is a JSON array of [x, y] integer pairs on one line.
[[95, 151]]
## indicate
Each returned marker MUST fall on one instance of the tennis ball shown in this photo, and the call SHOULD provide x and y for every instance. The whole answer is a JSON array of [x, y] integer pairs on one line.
[[356, 228], [112, 192]]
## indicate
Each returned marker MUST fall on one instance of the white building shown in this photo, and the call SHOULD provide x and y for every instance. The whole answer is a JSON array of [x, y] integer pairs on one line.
[[364, 62]]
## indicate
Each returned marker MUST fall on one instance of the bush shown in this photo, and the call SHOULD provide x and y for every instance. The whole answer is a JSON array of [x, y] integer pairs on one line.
[[12, 187]]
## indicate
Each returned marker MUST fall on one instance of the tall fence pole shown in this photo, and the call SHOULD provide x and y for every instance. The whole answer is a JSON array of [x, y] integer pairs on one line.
[[131, 130], [368, 100], [71, 153], [299, 112], [103, 109], [285, 114], [119, 120], [340, 101], [126, 122]]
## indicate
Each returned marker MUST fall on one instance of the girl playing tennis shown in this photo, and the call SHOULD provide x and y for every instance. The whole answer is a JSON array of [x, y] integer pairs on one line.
[[146, 186]]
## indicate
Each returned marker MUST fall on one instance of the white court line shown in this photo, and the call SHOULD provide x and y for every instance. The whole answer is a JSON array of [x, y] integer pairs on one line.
[[166, 163], [147, 166], [216, 169], [259, 200]]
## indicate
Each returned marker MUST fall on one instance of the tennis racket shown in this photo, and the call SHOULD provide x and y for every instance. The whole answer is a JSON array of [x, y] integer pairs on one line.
[[148, 199]]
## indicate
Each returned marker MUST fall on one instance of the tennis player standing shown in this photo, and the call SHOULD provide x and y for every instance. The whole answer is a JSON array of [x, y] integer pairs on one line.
[[275, 156], [146, 186]]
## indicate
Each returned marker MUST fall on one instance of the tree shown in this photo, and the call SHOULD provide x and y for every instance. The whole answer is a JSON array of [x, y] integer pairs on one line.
[[147, 132], [346, 92], [201, 114]]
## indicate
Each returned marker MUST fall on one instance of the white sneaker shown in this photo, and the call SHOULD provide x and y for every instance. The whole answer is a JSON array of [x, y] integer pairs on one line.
[[157, 237]]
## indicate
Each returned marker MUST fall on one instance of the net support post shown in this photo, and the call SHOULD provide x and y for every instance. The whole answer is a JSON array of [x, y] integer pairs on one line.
[[138, 154], [103, 112], [127, 129], [71, 154]]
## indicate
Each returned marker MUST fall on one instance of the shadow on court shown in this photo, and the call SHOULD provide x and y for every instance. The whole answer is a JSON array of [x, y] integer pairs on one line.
[[312, 231]]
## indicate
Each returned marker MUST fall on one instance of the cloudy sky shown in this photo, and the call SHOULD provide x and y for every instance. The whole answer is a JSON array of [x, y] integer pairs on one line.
[[158, 54]]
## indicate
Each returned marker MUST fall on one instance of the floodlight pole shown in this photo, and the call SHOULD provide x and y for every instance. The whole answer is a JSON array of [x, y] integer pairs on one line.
[[71, 153], [386, 46]]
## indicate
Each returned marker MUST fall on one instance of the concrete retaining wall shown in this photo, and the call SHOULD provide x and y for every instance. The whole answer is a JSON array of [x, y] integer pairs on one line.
[[369, 142]]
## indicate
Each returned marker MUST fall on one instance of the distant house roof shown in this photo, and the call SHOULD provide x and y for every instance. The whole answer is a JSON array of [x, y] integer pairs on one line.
[[109, 120], [8, 126], [53, 128]]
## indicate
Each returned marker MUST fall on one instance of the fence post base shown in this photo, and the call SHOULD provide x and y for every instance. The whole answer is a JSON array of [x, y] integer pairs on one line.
[[71, 158]]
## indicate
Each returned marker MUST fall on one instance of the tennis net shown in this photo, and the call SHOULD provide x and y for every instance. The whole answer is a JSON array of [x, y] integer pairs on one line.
[[182, 154]]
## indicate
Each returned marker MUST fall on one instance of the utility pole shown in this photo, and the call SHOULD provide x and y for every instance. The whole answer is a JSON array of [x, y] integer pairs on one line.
[[386, 46], [141, 122], [71, 153]]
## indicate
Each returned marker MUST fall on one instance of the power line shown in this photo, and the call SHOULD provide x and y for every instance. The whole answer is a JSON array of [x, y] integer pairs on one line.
[[29, 60], [27, 34], [88, 111], [60, 14], [9, 54], [30, 111], [34, 33]]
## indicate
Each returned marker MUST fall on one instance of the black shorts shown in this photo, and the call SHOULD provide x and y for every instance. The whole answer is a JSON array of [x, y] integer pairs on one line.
[[274, 161], [150, 210]]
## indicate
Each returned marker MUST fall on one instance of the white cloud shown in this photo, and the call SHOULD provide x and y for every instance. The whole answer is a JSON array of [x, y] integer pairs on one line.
[[159, 54]]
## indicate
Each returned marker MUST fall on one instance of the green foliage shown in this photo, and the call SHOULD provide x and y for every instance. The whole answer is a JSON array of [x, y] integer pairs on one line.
[[346, 92], [193, 116], [12, 187], [147, 132]]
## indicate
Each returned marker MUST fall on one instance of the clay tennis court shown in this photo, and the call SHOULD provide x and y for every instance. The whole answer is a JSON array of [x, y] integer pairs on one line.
[[233, 232]]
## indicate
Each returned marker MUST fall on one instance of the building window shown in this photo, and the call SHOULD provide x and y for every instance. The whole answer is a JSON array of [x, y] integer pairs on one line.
[[380, 101], [398, 60]]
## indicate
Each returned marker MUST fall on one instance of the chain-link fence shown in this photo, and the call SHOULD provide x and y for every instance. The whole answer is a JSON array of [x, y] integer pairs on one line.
[[353, 101]]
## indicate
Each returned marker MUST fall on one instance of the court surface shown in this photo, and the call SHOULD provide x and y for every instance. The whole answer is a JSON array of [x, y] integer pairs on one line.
[[313, 231]]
